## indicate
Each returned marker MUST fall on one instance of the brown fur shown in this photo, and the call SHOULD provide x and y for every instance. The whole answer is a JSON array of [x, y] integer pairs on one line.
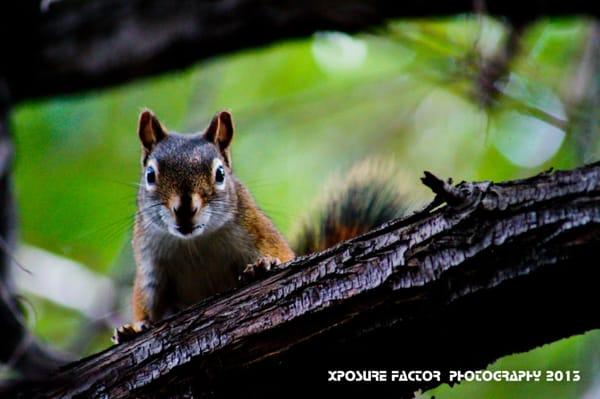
[[267, 238]]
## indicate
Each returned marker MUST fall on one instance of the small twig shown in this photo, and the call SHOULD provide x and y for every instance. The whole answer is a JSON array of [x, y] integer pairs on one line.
[[445, 191]]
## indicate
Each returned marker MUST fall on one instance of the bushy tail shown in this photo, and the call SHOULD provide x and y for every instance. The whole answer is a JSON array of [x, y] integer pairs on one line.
[[369, 195]]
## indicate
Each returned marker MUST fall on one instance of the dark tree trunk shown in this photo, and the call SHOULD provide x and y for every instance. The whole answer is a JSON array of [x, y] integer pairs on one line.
[[18, 348], [501, 269], [11, 331]]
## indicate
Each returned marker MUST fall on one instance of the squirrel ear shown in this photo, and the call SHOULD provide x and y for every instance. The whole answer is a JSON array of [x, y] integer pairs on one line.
[[150, 130], [220, 132]]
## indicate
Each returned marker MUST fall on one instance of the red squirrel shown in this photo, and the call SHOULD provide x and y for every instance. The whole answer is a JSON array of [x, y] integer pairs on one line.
[[198, 228]]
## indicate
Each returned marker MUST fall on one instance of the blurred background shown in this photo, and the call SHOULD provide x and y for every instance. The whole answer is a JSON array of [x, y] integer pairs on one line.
[[466, 97]]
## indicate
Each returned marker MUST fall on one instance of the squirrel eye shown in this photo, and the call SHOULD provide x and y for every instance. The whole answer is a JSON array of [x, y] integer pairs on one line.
[[150, 175], [220, 175]]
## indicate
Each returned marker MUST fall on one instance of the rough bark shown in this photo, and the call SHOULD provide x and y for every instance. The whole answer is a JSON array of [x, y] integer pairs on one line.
[[73, 45], [502, 268]]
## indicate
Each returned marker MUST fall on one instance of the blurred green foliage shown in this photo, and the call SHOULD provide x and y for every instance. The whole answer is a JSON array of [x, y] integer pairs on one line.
[[305, 109]]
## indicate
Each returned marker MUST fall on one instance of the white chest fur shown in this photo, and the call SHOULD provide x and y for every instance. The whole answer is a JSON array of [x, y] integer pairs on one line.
[[200, 267]]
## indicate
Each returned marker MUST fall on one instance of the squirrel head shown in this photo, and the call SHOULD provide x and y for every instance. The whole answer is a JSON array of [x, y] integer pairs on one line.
[[187, 188]]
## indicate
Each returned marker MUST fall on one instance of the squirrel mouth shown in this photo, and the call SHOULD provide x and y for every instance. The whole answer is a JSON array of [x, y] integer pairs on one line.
[[188, 229]]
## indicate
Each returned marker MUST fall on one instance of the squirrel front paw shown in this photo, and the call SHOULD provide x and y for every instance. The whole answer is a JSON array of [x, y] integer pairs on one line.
[[129, 331], [260, 268]]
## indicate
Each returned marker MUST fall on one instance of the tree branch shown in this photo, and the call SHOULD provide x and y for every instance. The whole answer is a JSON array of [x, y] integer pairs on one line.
[[76, 45], [507, 268]]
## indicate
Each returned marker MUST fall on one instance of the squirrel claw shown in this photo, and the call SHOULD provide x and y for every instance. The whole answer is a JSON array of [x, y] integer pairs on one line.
[[129, 331], [260, 268]]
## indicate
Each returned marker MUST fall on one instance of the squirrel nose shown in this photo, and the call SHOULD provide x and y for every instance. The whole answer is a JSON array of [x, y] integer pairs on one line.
[[186, 206]]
